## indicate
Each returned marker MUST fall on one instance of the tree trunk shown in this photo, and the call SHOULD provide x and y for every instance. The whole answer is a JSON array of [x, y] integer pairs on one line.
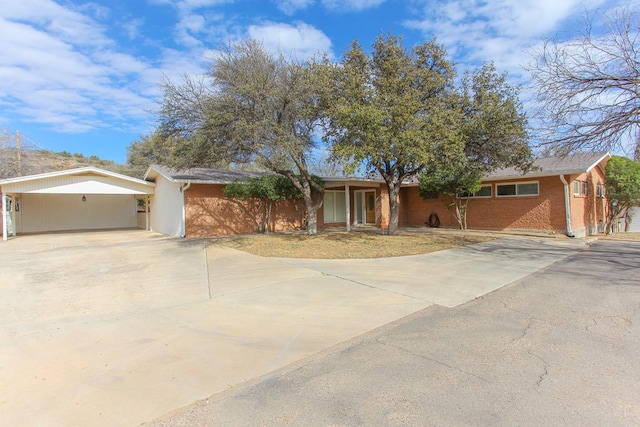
[[463, 213], [459, 214], [612, 219], [306, 189], [628, 217], [267, 221], [394, 208], [312, 214]]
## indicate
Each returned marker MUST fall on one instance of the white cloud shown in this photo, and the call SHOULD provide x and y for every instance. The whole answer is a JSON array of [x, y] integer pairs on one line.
[[58, 68], [132, 27], [351, 5], [290, 7], [301, 41], [502, 31]]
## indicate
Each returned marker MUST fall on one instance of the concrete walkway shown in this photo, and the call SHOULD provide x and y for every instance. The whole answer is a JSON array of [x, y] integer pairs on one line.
[[121, 328]]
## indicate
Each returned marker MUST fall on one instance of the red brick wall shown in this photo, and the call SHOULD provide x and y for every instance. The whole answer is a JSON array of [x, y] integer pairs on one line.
[[209, 213], [415, 211], [587, 211], [542, 212]]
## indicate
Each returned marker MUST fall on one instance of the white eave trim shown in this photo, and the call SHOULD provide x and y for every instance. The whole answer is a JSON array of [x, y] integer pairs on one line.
[[71, 172], [604, 156]]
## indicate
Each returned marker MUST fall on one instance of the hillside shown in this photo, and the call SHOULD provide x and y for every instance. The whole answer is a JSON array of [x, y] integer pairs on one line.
[[41, 161]]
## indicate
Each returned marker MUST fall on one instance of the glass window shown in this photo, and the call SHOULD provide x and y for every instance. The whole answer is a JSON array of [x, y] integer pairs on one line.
[[576, 188], [520, 189], [334, 206], [340, 213], [506, 190], [528, 189], [485, 191], [329, 206]]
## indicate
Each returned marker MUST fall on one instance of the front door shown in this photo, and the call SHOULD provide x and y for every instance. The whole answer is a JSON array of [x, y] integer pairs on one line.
[[370, 206]]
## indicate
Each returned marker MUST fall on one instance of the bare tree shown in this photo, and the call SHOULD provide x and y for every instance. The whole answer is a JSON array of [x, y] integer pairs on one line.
[[184, 105], [588, 87]]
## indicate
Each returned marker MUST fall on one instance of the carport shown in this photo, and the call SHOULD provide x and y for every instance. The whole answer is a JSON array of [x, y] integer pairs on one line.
[[86, 198]]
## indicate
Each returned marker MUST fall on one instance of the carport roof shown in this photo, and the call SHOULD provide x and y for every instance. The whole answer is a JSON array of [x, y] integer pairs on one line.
[[80, 180]]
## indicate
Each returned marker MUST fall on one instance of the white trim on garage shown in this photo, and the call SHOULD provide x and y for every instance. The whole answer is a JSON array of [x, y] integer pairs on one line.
[[167, 207], [75, 199]]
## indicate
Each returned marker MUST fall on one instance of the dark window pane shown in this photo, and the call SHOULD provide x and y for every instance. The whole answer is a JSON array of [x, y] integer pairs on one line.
[[528, 189], [485, 191], [506, 190]]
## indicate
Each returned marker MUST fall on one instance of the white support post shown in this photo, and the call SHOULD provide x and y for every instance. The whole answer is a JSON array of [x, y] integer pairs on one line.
[[14, 226], [4, 217], [347, 202], [147, 212]]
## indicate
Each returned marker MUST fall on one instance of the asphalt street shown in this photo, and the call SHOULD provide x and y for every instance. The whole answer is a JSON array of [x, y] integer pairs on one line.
[[558, 347]]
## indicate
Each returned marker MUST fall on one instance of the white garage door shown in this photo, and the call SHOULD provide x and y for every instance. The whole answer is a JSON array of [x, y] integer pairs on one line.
[[62, 212]]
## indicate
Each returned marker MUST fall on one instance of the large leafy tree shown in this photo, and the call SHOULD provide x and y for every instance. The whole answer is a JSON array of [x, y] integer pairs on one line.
[[455, 180], [588, 87], [493, 134], [623, 187], [253, 106], [390, 111], [493, 124]]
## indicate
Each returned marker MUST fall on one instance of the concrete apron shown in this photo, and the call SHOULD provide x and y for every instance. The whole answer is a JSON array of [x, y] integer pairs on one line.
[[97, 331]]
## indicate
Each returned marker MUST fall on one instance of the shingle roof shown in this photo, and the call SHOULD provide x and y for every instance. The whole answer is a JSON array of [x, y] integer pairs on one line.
[[205, 175], [550, 166]]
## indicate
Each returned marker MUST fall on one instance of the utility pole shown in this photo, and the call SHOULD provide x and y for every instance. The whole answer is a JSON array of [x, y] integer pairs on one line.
[[18, 143]]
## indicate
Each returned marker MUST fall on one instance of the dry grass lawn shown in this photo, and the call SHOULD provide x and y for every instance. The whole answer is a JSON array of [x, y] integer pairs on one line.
[[623, 236], [340, 245]]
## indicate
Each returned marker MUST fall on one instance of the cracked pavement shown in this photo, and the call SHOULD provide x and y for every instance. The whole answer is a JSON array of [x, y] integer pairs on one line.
[[558, 347]]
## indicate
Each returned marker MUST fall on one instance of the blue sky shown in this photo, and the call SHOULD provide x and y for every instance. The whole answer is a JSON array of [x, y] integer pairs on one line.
[[84, 76]]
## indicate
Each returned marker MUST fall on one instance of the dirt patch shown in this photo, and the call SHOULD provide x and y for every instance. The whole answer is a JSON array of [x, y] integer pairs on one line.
[[341, 245]]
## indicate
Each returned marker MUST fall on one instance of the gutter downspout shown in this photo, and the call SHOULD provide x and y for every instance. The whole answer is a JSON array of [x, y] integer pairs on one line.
[[184, 188], [567, 206]]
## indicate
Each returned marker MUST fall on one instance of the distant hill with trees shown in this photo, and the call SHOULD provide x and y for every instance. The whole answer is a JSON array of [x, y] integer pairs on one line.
[[30, 160]]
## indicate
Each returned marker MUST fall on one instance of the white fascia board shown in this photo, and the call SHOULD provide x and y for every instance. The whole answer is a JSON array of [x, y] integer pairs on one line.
[[70, 172], [606, 156], [86, 187]]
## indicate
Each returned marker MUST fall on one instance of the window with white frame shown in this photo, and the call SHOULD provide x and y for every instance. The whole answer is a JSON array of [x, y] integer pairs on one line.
[[485, 191], [334, 206], [600, 191], [580, 188], [518, 189]]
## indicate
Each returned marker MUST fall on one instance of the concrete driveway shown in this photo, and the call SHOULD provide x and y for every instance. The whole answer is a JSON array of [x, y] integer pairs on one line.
[[557, 348], [119, 328]]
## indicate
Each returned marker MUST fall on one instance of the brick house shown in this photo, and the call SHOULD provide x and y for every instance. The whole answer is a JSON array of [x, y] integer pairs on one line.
[[563, 195], [192, 204]]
